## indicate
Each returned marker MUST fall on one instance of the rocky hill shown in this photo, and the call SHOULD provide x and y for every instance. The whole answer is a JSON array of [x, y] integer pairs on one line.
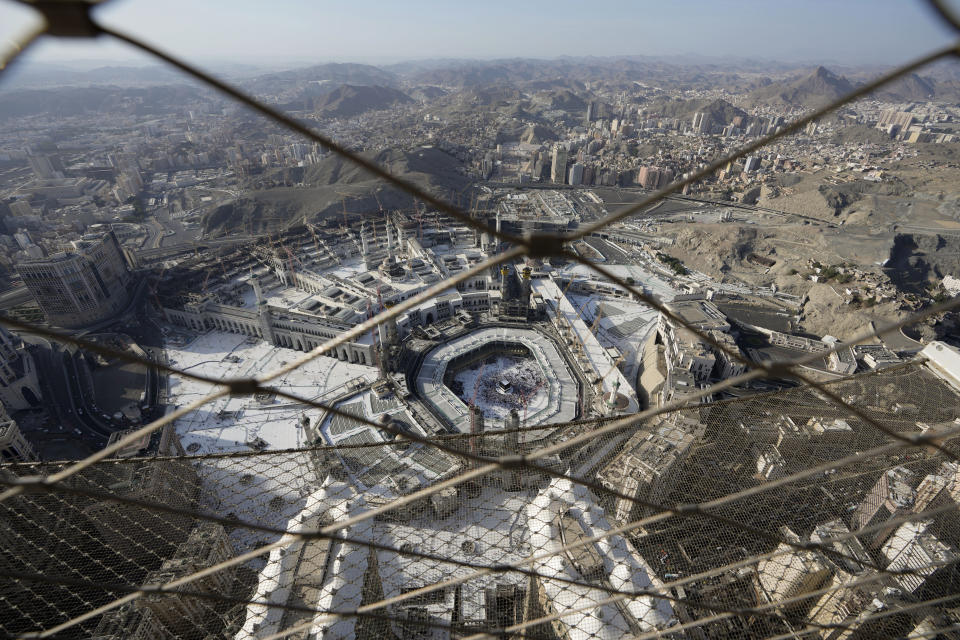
[[813, 90], [562, 99], [72, 101], [720, 110], [537, 134], [910, 88], [350, 100], [918, 259], [319, 79], [334, 184]]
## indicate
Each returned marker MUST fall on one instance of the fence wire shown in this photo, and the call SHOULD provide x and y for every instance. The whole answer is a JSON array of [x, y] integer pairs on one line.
[[829, 510]]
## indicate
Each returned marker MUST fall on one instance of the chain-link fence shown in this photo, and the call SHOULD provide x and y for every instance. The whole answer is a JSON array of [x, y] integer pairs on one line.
[[828, 510]]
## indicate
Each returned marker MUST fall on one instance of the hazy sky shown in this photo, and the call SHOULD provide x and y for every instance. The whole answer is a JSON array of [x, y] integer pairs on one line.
[[839, 31]]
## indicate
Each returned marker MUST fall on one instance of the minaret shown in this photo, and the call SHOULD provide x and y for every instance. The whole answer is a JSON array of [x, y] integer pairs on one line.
[[257, 290], [612, 399], [525, 287], [476, 420], [387, 330], [263, 311], [364, 240], [476, 427], [280, 269], [389, 238]]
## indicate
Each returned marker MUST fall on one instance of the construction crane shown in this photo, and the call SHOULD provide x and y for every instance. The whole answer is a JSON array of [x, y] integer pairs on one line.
[[580, 310], [313, 232], [343, 200], [596, 319], [386, 224], [289, 261], [616, 363], [565, 289]]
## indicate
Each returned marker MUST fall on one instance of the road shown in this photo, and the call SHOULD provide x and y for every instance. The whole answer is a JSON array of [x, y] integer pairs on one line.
[[180, 235], [62, 395], [164, 252], [67, 389], [612, 253], [156, 235]]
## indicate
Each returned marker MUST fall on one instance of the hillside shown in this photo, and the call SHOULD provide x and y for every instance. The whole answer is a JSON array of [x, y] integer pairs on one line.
[[100, 100], [350, 100], [720, 111], [910, 88], [562, 99], [813, 90], [335, 183], [319, 79]]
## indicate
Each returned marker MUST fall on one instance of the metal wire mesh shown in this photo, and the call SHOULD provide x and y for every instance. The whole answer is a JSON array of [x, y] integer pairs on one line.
[[827, 510]]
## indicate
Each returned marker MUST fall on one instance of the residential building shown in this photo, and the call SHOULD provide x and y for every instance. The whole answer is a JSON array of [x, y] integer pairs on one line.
[[789, 574], [646, 469], [932, 564], [892, 495], [770, 463], [206, 546], [941, 490]]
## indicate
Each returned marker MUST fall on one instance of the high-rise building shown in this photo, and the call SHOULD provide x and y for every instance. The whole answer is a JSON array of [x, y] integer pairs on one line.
[[702, 122], [558, 171], [47, 167], [648, 177], [654, 177], [926, 565], [19, 387], [893, 495], [576, 174], [751, 164], [13, 446], [941, 490], [76, 288], [647, 467], [588, 173], [790, 574], [21, 208], [206, 546], [899, 119]]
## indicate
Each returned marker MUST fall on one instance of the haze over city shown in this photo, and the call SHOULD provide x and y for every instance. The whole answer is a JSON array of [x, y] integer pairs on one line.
[[858, 32]]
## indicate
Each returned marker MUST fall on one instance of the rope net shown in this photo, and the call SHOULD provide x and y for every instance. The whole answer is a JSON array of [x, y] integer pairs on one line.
[[777, 544], [827, 510]]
